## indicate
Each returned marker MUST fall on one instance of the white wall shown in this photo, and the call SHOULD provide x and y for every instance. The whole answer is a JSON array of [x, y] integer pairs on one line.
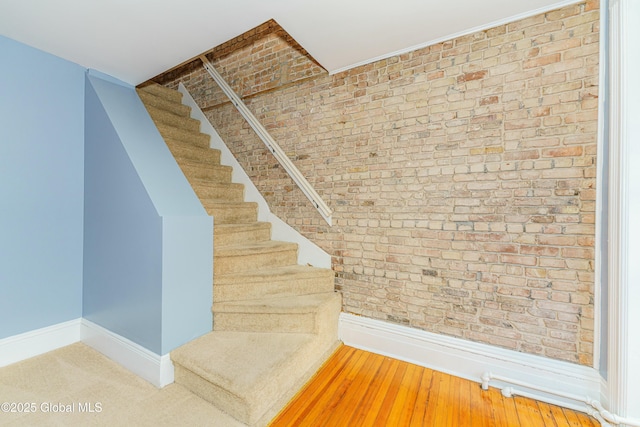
[[631, 117]]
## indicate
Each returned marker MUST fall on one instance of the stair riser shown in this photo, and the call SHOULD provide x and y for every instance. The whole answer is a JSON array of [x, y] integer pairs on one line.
[[183, 151], [163, 92], [323, 353], [233, 215], [327, 319], [163, 104], [218, 396], [194, 138], [240, 237], [244, 320], [239, 263], [272, 289], [230, 193], [209, 172], [265, 322], [168, 118]]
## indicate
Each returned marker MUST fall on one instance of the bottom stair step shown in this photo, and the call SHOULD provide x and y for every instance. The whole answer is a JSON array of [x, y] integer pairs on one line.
[[250, 376]]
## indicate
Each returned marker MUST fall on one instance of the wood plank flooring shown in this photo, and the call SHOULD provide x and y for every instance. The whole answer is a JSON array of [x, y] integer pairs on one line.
[[356, 388]]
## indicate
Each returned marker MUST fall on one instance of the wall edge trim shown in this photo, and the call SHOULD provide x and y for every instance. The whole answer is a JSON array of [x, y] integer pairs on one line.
[[473, 361], [23, 346], [156, 369]]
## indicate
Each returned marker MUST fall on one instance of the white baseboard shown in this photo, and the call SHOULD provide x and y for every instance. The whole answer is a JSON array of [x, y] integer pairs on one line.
[[34, 343], [156, 369], [472, 361]]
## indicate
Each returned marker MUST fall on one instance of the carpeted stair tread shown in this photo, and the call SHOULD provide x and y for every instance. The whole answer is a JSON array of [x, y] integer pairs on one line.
[[239, 233], [253, 256], [228, 212], [289, 304], [187, 136], [290, 272], [192, 154], [206, 189], [256, 247], [301, 315], [223, 357], [162, 92], [249, 374], [289, 314], [164, 104], [211, 172], [206, 159], [167, 117], [273, 282]]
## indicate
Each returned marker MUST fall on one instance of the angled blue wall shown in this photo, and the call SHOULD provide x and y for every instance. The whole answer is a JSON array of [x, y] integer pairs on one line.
[[148, 251], [123, 238], [41, 188]]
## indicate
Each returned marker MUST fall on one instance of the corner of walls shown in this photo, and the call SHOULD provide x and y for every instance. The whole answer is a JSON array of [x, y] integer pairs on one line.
[[97, 218], [99, 74], [38, 341], [41, 164], [122, 236]]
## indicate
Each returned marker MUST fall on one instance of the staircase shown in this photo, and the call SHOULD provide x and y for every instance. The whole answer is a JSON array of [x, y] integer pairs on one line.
[[274, 322]]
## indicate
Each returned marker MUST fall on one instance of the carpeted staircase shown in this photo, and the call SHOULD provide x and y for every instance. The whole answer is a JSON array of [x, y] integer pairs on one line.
[[275, 322]]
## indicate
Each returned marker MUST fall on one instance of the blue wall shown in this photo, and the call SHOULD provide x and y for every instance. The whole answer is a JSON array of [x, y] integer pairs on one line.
[[148, 249], [41, 188], [96, 218], [123, 238]]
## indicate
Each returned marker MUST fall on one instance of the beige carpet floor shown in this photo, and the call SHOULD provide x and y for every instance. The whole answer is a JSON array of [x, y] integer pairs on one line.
[[78, 379]]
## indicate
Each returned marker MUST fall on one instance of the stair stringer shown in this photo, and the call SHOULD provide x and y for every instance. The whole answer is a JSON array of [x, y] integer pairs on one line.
[[308, 252]]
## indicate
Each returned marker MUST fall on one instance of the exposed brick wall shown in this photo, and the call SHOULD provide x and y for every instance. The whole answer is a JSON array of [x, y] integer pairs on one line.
[[461, 175]]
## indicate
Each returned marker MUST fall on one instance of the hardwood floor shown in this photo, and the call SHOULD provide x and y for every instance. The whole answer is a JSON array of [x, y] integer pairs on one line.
[[357, 388]]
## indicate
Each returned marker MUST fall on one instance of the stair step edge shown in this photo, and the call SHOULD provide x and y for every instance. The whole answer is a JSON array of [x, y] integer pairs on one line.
[[164, 104], [296, 271], [270, 246], [254, 381], [161, 91], [275, 305]]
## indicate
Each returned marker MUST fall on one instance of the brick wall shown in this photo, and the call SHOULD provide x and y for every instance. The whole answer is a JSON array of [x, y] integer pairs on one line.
[[461, 175]]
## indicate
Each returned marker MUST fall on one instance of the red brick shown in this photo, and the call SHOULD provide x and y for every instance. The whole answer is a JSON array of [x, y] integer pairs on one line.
[[476, 75], [541, 61]]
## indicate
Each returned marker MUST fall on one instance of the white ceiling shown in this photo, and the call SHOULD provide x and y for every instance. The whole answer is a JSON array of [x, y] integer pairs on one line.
[[135, 40]]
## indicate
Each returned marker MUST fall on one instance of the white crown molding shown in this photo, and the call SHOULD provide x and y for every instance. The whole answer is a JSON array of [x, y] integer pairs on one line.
[[33, 343], [156, 369]]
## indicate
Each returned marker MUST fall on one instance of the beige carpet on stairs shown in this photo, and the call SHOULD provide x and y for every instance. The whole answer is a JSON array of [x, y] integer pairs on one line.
[[275, 322]]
